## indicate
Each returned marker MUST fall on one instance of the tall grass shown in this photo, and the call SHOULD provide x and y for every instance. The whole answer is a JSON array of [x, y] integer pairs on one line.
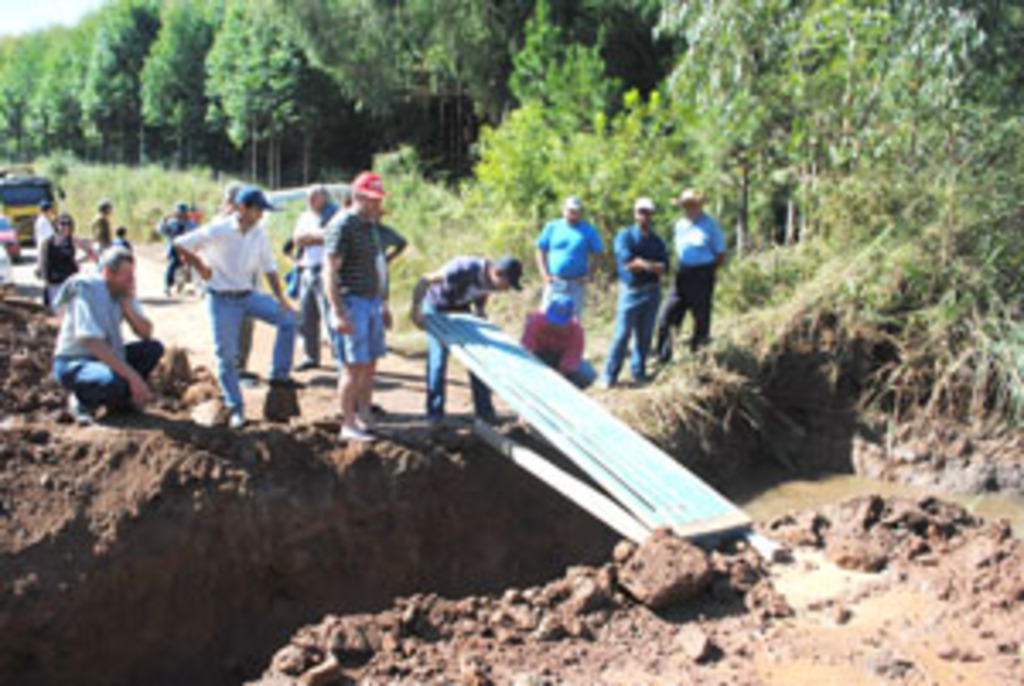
[[141, 196]]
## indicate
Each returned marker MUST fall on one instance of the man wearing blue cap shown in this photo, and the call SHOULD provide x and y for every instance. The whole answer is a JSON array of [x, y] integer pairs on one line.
[[642, 259], [563, 255], [556, 337], [234, 251], [462, 284], [172, 228]]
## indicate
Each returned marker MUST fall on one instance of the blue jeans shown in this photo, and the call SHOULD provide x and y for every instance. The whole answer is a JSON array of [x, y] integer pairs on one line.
[[314, 311], [437, 380], [96, 385], [226, 314], [365, 343], [574, 289], [174, 263], [635, 317], [583, 377]]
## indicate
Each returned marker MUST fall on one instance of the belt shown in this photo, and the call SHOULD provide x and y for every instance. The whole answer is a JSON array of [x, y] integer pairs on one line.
[[232, 294]]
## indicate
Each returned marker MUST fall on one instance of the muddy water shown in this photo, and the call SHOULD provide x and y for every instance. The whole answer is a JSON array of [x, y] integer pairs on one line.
[[804, 494]]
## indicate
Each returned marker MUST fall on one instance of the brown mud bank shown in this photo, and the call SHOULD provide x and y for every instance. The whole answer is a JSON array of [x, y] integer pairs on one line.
[[170, 554], [875, 592], [823, 400]]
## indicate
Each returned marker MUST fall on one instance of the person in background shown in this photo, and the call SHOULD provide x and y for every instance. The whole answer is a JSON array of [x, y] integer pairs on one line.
[[314, 307], [228, 255], [58, 257], [102, 230], [43, 230], [92, 360], [354, 287], [700, 251], [121, 239], [563, 255], [556, 337], [641, 259], [462, 284], [173, 227], [44, 227]]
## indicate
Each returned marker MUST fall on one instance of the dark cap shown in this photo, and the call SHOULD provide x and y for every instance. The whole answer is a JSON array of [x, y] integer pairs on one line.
[[511, 269], [46, 206], [251, 196], [181, 208]]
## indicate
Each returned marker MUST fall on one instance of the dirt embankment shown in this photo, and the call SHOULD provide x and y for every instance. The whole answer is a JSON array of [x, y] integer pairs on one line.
[[815, 403], [156, 551]]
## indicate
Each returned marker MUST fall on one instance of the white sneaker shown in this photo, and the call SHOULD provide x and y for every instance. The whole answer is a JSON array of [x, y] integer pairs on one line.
[[364, 423], [354, 434], [237, 420]]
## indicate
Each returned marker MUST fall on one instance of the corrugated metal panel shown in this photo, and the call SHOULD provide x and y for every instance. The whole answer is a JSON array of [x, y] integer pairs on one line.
[[656, 489]]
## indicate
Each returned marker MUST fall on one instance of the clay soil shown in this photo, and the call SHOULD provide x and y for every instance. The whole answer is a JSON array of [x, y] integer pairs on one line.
[[153, 550]]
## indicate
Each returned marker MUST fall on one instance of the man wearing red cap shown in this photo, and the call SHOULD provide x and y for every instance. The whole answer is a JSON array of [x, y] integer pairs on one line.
[[356, 282]]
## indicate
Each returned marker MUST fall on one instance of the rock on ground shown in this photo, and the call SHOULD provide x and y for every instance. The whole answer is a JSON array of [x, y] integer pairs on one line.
[[665, 571]]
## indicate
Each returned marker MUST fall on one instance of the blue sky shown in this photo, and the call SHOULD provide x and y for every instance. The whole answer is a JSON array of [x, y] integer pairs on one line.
[[21, 16]]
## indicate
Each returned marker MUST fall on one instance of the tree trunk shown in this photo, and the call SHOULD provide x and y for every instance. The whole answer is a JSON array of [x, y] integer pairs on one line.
[[743, 220], [791, 232]]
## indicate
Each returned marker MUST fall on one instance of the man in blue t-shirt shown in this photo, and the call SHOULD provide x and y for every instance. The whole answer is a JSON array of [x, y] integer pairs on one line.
[[699, 251], [641, 258], [563, 255]]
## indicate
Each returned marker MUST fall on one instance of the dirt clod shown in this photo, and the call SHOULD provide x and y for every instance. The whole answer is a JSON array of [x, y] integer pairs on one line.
[[665, 571]]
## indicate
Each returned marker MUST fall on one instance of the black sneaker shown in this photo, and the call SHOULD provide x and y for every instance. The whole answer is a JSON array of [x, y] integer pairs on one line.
[[308, 365], [82, 415]]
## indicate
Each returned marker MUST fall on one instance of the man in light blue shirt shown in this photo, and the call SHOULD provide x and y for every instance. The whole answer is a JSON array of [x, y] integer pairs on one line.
[[699, 251], [563, 255]]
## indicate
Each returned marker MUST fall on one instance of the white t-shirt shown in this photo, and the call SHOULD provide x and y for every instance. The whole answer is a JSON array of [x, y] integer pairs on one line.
[[235, 258], [43, 230], [309, 224]]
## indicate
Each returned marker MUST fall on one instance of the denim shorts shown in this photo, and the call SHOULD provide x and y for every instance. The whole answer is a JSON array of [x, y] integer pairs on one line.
[[366, 341]]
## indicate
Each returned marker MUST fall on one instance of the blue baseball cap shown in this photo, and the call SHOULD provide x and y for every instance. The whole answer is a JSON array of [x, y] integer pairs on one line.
[[45, 205], [252, 196], [560, 310]]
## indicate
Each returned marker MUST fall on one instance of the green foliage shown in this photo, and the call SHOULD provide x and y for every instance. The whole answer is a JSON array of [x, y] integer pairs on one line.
[[112, 91], [173, 96]]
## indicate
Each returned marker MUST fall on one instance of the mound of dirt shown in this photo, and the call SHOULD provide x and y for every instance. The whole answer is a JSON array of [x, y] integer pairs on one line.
[[947, 576], [26, 364]]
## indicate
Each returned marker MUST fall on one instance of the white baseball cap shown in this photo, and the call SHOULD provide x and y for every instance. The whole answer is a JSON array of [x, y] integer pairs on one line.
[[644, 204], [573, 203]]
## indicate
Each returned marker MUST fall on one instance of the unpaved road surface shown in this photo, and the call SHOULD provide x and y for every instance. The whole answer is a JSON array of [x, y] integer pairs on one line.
[[183, 321]]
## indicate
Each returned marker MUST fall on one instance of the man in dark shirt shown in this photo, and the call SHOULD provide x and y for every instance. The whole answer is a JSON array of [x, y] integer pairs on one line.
[[641, 258], [102, 231], [461, 284], [355, 286], [172, 227]]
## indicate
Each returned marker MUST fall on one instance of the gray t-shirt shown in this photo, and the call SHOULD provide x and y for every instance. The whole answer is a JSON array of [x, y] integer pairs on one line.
[[90, 312]]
